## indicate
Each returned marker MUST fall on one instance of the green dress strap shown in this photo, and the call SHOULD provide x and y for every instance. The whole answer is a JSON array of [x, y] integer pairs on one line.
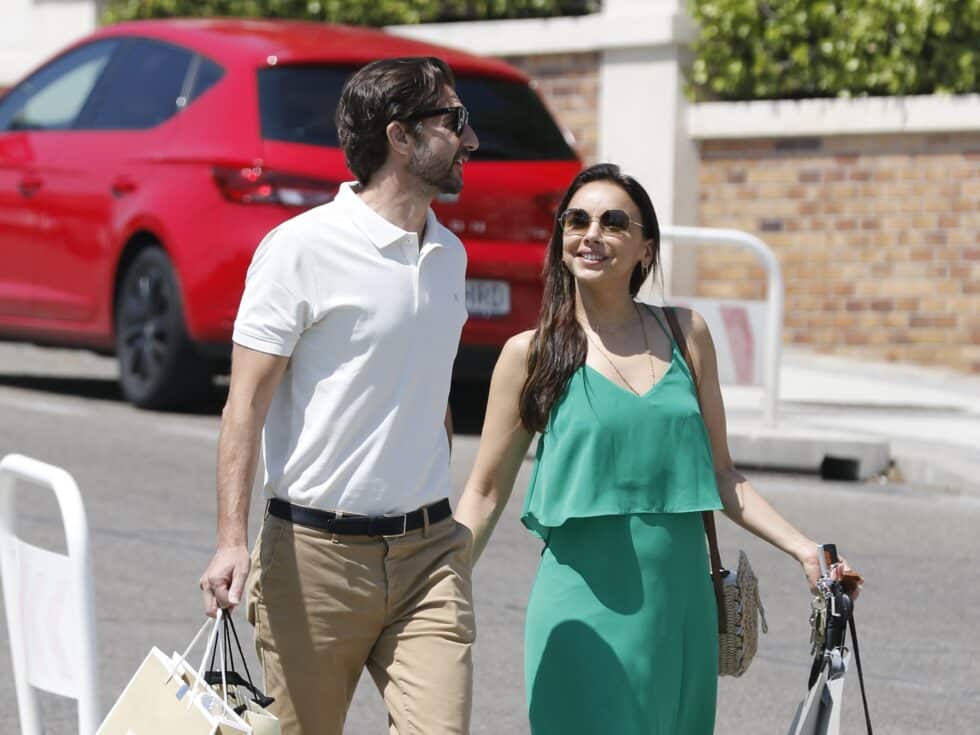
[[666, 331]]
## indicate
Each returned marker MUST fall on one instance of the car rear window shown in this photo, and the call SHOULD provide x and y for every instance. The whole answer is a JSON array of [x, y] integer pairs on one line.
[[206, 76], [142, 90], [297, 105], [511, 121]]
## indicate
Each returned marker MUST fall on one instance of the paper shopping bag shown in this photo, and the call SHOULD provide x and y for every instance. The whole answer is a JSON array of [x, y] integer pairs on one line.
[[261, 722], [819, 712], [242, 700], [158, 703]]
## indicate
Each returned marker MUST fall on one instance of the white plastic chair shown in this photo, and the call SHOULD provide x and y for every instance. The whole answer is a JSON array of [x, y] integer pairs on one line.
[[49, 600]]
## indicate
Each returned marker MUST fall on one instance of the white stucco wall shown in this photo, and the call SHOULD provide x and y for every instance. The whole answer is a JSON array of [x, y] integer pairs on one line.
[[932, 113], [32, 30]]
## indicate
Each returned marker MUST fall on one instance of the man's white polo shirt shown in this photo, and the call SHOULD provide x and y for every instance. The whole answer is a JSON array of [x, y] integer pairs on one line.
[[371, 323]]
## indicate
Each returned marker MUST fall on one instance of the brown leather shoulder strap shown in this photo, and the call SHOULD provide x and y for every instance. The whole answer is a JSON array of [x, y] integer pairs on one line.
[[708, 517], [675, 329]]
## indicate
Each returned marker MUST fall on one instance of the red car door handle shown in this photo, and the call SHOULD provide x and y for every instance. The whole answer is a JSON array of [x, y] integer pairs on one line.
[[123, 186], [29, 185]]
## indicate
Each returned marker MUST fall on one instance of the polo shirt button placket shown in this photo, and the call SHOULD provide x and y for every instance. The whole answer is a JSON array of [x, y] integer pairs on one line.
[[410, 248], [422, 299]]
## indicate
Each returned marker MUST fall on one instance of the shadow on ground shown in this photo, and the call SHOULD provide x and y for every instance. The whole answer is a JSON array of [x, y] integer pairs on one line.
[[105, 389], [468, 399]]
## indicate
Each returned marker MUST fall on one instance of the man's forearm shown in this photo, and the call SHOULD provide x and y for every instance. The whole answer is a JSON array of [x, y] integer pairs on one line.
[[238, 448]]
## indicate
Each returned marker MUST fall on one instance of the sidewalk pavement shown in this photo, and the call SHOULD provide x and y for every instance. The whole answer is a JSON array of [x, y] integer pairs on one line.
[[915, 423]]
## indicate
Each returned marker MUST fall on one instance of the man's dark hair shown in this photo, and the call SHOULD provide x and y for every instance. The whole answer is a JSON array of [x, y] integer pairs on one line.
[[377, 94]]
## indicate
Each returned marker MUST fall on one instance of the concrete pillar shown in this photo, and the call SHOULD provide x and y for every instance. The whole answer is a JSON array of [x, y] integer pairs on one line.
[[643, 114]]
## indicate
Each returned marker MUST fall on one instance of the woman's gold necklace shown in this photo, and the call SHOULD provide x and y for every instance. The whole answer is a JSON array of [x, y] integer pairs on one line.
[[646, 344]]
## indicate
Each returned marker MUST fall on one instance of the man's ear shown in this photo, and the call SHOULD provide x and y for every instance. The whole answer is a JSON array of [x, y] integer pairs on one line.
[[399, 138]]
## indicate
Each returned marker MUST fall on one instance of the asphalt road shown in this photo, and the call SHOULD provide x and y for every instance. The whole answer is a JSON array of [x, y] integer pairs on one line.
[[147, 482]]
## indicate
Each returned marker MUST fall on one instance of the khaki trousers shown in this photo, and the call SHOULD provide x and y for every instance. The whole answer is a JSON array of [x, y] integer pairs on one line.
[[324, 606]]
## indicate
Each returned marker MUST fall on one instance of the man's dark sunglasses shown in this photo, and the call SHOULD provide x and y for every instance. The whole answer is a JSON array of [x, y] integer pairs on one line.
[[457, 120], [576, 221]]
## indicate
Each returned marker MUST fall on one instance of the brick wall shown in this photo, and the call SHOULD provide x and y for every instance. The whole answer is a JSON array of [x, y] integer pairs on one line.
[[569, 85], [878, 237]]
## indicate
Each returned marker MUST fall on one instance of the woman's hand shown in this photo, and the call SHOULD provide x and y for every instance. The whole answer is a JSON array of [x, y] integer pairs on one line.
[[810, 560], [850, 579]]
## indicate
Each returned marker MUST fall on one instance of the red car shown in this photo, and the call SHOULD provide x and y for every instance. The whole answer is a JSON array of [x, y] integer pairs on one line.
[[140, 168]]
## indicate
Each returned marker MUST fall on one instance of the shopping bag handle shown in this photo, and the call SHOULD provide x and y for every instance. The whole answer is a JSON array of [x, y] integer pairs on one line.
[[183, 657], [227, 674], [857, 659], [190, 646], [198, 678], [835, 641], [234, 679]]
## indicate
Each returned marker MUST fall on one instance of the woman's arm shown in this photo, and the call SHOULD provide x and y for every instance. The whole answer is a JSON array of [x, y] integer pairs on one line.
[[503, 445], [742, 504]]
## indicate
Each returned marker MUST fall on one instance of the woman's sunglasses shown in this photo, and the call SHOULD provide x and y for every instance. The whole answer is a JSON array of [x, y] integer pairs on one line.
[[457, 117], [612, 222]]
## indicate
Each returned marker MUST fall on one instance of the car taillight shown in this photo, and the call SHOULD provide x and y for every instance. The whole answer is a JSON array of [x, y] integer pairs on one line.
[[255, 185]]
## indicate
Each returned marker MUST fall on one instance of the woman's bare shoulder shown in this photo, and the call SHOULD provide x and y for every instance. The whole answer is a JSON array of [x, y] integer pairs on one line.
[[520, 342], [514, 353], [510, 372], [692, 324]]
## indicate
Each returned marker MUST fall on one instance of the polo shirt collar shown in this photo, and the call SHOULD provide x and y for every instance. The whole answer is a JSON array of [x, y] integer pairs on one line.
[[376, 228]]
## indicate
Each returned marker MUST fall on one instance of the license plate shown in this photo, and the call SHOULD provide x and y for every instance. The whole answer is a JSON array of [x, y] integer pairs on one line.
[[487, 298]]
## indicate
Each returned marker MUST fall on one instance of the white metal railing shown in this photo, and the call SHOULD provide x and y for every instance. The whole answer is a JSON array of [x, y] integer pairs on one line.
[[49, 599], [774, 298]]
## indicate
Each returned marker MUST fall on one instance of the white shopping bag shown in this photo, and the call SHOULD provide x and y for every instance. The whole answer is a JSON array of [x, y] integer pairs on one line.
[[156, 703], [166, 696], [259, 719], [819, 712]]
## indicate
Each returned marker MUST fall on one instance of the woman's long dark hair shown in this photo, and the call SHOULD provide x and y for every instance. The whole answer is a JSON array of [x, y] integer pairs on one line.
[[559, 346]]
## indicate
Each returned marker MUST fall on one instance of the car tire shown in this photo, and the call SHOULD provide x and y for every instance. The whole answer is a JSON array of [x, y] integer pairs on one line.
[[159, 366]]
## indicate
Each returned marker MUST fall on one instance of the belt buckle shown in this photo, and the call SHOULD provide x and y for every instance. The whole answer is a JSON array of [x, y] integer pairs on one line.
[[404, 527]]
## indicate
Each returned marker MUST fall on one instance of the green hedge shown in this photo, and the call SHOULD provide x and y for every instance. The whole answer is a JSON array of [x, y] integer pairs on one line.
[[357, 12], [787, 49]]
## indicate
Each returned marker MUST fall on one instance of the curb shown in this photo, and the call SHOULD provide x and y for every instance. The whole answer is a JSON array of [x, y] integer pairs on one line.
[[843, 456], [939, 467]]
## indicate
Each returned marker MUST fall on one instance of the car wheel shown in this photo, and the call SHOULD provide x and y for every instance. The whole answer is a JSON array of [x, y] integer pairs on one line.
[[158, 365]]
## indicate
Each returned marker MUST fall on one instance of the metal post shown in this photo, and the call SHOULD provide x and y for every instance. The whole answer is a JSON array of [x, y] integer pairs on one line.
[[774, 298]]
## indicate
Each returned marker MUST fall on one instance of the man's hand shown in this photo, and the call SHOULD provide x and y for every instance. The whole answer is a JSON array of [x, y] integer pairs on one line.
[[223, 582]]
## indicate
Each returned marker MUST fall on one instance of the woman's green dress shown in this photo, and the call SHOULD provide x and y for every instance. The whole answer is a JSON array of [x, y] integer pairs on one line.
[[621, 633]]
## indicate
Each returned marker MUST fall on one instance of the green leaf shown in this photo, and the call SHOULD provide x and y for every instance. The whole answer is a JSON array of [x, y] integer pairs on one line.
[[760, 49]]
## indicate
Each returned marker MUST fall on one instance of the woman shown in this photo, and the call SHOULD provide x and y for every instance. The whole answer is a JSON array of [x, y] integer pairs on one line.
[[621, 630]]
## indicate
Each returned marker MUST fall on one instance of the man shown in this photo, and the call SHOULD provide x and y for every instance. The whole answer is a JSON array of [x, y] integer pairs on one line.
[[343, 349]]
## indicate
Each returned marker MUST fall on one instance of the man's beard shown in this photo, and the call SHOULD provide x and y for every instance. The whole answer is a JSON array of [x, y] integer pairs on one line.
[[434, 172]]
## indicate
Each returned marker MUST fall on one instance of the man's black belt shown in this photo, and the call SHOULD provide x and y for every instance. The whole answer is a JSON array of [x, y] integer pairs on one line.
[[357, 525]]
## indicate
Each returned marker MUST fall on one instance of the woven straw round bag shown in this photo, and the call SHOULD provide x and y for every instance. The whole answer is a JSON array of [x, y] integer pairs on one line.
[[743, 610]]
